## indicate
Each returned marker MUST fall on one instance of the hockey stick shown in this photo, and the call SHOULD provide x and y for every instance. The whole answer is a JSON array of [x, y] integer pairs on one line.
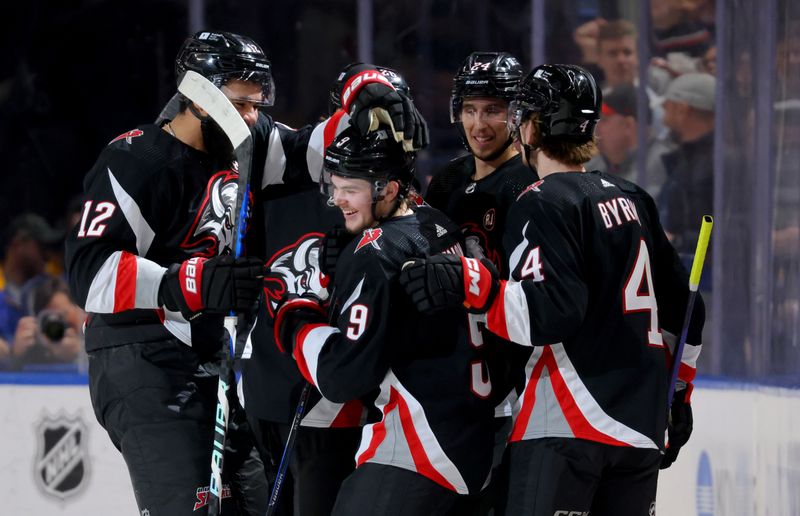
[[694, 283], [288, 449], [202, 92]]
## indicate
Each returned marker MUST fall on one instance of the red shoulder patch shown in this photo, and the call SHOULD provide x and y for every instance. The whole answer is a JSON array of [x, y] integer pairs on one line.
[[531, 188], [127, 136], [370, 236]]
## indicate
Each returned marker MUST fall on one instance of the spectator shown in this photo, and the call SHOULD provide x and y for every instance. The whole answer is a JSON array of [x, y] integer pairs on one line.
[[616, 53], [52, 333], [688, 193], [23, 267], [5, 350], [708, 63], [617, 141], [619, 61], [679, 27]]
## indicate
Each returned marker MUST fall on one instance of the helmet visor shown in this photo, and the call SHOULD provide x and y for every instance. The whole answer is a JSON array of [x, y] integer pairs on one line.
[[328, 190], [262, 99], [519, 110]]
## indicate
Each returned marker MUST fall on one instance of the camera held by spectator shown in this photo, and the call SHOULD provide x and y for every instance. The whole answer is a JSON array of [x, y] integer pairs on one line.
[[52, 333]]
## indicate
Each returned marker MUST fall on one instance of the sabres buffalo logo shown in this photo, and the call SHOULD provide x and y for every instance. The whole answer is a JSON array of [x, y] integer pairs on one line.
[[212, 231], [295, 270]]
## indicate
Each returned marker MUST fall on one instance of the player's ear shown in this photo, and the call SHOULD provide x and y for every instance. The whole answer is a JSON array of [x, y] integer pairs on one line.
[[392, 190]]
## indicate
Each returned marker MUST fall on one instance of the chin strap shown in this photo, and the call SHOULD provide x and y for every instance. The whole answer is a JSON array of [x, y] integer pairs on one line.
[[528, 148], [196, 113]]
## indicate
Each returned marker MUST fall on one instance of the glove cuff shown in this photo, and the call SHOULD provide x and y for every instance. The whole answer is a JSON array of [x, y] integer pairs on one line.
[[480, 284], [190, 278], [362, 76], [290, 306], [684, 394], [181, 287]]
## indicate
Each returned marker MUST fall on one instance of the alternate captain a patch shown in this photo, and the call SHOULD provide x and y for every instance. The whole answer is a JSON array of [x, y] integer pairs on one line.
[[370, 237]]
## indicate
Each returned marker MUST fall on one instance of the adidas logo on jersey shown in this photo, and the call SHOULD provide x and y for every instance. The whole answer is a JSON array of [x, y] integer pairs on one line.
[[440, 231], [606, 184]]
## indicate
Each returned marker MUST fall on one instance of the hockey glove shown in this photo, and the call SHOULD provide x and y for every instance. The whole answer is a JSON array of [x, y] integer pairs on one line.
[[293, 314], [370, 99], [331, 247], [212, 285], [446, 280], [679, 428]]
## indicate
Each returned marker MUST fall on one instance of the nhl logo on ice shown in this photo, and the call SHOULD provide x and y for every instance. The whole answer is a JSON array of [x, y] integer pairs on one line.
[[61, 456]]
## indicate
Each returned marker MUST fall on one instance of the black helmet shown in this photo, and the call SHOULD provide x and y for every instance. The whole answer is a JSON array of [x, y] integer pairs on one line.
[[223, 56], [376, 157], [394, 77], [485, 74], [565, 97]]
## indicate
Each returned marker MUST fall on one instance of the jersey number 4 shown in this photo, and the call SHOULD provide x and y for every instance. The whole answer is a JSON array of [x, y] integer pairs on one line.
[[102, 212], [634, 300]]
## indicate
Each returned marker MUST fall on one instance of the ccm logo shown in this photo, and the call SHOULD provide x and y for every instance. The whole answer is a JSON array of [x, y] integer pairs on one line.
[[190, 281], [355, 83], [474, 273], [571, 513]]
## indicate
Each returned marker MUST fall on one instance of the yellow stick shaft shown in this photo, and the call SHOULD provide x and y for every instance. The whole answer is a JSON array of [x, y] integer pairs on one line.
[[700, 252]]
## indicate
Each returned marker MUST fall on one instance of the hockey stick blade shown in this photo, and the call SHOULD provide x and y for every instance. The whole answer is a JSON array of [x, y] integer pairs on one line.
[[206, 95], [202, 92]]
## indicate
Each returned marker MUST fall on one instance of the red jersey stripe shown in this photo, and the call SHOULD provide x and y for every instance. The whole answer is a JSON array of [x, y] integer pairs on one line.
[[125, 284]]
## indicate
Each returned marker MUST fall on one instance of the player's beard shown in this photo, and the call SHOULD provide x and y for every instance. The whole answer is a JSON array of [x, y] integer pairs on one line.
[[216, 141]]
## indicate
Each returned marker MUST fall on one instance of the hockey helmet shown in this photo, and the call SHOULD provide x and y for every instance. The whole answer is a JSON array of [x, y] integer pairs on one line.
[[484, 74], [565, 98], [394, 77], [224, 56], [376, 157]]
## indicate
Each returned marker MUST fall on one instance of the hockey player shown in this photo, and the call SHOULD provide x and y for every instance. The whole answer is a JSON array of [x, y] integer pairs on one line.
[[593, 282], [299, 219], [150, 261], [434, 437], [476, 191]]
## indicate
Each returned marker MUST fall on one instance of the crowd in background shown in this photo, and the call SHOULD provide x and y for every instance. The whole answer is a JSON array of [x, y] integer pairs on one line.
[[673, 157]]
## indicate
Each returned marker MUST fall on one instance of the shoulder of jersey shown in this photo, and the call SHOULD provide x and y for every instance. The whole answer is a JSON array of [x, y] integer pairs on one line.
[[456, 165], [140, 134], [560, 187], [608, 181], [370, 240], [533, 188], [441, 224]]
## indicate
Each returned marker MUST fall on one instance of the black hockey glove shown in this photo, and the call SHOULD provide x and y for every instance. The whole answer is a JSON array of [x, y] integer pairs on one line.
[[370, 99], [212, 285], [446, 280], [331, 247], [679, 428], [293, 314]]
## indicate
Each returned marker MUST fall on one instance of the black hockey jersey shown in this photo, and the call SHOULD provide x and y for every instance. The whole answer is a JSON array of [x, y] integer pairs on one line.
[[432, 388], [480, 208], [151, 201], [296, 216], [593, 282]]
